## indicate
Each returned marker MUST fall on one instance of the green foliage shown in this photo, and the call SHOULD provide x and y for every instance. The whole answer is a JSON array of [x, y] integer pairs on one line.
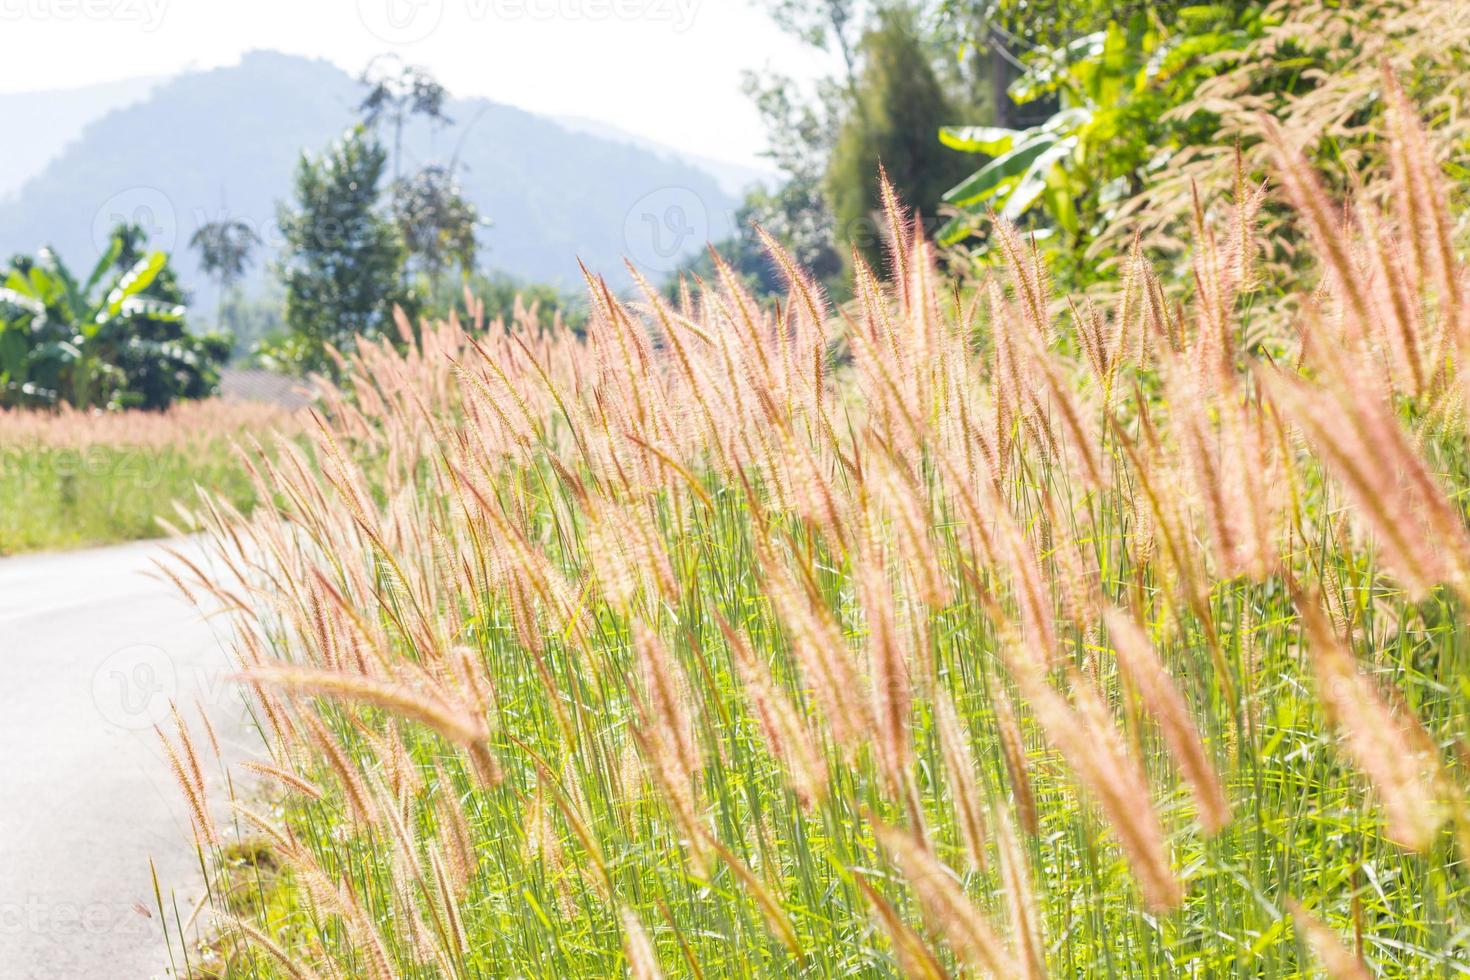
[[225, 248], [396, 93], [1114, 87], [436, 222], [116, 340], [896, 84], [1047, 24], [900, 103], [800, 134], [343, 260]]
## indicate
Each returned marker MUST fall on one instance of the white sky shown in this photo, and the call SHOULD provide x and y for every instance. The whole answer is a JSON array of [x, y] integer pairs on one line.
[[665, 69]]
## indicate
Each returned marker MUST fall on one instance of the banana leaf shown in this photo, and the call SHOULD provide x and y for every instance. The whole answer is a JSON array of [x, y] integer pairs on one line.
[[988, 180], [990, 140]]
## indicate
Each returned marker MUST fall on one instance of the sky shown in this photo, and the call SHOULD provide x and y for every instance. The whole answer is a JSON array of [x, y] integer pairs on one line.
[[668, 70]]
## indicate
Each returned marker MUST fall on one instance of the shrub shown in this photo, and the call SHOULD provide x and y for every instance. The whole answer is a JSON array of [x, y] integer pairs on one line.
[[118, 340]]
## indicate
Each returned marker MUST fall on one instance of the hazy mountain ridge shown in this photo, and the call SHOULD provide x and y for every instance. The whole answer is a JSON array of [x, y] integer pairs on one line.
[[51, 120], [735, 178], [226, 142]]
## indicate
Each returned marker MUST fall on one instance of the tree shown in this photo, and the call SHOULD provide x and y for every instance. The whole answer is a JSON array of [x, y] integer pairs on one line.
[[343, 259], [800, 135], [434, 219], [436, 222], [884, 104], [397, 91], [824, 24], [224, 249], [118, 340], [902, 106]]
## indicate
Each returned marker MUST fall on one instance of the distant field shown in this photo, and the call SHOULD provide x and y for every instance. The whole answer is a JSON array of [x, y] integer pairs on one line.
[[73, 480]]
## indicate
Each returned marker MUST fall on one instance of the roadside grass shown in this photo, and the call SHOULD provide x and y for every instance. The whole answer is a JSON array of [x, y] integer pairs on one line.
[[74, 480], [57, 499]]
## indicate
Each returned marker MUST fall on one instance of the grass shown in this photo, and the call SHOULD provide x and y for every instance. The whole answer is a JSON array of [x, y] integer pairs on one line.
[[72, 480], [917, 641]]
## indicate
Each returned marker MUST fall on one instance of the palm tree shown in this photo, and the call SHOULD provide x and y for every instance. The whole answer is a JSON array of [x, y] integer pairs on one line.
[[224, 249], [397, 91]]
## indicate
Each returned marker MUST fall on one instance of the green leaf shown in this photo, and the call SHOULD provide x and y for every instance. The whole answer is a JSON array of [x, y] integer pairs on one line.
[[1059, 200], [13, 351], [137, 279], [956, 229], [1033, 182], [24, 300], [990, 140], [987, 181], [19, 284], [1057, 68], [65, 285], [103, 264], [43, 285]]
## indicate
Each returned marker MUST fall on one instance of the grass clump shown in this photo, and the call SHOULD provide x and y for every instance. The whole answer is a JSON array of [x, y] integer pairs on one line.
[[1013, 638], [74, 479]]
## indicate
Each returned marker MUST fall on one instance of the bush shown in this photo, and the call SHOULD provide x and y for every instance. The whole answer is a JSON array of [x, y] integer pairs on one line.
[[118, 340]]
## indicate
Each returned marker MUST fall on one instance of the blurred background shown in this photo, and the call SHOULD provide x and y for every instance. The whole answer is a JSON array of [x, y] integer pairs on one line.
[[290, 173]]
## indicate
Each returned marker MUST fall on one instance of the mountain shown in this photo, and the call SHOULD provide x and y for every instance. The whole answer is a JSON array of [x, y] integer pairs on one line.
[[49, 120], [225, 143], [735, 178]]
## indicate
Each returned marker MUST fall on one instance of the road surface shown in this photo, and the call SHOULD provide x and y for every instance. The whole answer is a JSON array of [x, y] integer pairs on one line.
[[91, 651]]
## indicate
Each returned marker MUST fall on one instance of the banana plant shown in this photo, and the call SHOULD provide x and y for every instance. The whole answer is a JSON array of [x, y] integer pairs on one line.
[[119, 339], [1026, 164], [19, 317], [1114, 89]]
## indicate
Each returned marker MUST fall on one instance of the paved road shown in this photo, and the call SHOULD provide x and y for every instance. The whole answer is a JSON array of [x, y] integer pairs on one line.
[[91, 649]]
